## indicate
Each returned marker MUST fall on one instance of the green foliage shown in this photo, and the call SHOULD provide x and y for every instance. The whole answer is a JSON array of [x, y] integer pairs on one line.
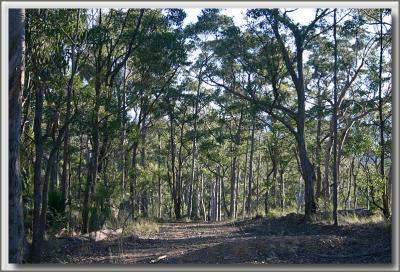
[[55, 202], [149, 79]]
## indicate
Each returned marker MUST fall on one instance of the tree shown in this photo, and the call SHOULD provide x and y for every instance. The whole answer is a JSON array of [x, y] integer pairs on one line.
[[130, 113], [334, 118], [105, 69], [275, 19], [15, 82], [385, 197]]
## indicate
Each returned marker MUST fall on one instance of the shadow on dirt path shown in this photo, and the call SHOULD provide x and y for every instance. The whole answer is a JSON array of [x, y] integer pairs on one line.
[[283, 240]]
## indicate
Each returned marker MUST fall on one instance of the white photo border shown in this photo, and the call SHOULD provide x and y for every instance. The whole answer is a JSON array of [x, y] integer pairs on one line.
[[6, 5]]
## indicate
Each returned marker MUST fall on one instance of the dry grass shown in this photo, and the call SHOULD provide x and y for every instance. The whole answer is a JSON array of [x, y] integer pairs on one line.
[[352, 219], [142, 226], [376, 218]]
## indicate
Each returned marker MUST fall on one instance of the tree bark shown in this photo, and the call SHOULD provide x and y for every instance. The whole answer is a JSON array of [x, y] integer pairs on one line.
[[244, 180], [16, 68], [235, 141], [282, 185], [298, 80], [93, 166], [335, 124], [385, 197], [328, 151], [64, 185], [159, 179], [318, 148], [144, 199], [36, 245], [249, 189], [172, 175], [258, 178], [194, 150]]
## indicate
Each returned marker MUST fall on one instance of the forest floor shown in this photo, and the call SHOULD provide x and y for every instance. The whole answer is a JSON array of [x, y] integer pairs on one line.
[[283, 240]]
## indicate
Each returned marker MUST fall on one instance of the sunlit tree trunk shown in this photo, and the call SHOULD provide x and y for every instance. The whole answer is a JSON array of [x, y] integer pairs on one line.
[[318, 148], [194, 149], [385, 197], [244, 180], [250, 188], [334, 117]]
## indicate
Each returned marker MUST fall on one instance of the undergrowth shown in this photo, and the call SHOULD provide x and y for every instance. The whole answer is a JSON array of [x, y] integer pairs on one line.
[[141, 226]]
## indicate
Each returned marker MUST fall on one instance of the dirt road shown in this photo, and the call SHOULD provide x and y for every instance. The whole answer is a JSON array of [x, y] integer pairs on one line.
[[261, 241]]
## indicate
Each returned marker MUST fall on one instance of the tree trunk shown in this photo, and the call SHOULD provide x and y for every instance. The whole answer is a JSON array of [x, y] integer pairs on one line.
[[159, 179], [354, 174], [307, 167], [202, 205], [385, 197], [232, 206], [144, 194], [16, 68], [64, 175], [36, 246], [93, 166], [335, 124], [282, 185], [122, 101], [308, 176], [234, 175], [249, 189], [64, 185], [244, 180], [318, 148], [349, 183], [258, 177], [174, 186], [298, 80], [133, 181], [213, 205], [223, 196], [179, 183], [218, 195], [194, 151], [327, 191], [237, 187], [92, 177]]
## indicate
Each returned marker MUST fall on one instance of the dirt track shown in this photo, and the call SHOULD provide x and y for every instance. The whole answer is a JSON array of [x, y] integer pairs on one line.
[[283, 240]]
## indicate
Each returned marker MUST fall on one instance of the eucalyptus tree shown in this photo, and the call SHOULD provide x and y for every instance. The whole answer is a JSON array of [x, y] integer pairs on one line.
[[155, 66], [177, 105], [201, 64], [274, 20], [378, 77], [107, 60], [321, 65], [335, 124], [382, 119], [16, 34], [75, 36], [47, 66]]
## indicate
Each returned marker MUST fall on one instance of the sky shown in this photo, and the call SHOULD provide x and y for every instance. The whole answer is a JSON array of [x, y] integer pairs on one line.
[[302, 15]]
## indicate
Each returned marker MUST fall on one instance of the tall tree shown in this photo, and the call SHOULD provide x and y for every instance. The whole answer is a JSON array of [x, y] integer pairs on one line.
[[385, 197], [16, 33], [335, 124]]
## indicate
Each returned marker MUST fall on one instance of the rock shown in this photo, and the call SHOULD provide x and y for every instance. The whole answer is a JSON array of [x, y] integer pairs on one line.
[[158, 259]]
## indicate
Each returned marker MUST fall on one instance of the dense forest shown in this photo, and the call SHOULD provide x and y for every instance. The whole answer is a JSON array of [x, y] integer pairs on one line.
[[120, 115]]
